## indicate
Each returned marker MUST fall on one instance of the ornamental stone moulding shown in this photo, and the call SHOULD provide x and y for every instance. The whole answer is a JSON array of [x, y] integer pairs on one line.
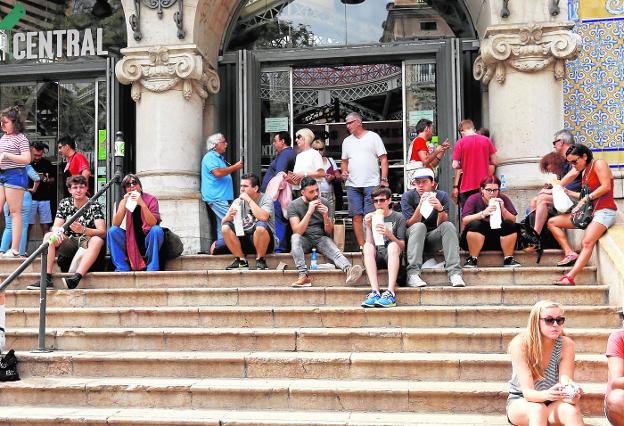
[[160, 69], [525, 48]]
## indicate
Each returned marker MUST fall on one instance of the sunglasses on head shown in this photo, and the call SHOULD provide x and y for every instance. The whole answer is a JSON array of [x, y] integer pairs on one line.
[[552, 321]]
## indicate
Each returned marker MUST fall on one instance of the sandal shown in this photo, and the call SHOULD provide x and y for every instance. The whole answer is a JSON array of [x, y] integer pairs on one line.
[[565, 280], [568, 260]]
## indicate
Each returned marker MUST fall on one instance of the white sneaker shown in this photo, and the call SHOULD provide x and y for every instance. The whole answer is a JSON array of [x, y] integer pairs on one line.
[[457, 281], [353, 274], [415, 281], [10, 254], [429, 263]]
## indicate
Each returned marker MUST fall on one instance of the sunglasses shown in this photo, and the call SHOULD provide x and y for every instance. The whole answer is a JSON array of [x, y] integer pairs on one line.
[[552, 321], [350, 122], [573, 162], [298, 137], [490, 191], [379, 200], [319, 149], [131, 183], [555, 142]]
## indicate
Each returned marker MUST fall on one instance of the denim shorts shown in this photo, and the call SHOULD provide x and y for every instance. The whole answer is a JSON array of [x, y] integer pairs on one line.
[[14, 178], [605, 217], [360, 201]]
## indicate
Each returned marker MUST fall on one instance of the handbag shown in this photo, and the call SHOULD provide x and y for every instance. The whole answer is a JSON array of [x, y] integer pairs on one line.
[[172, 245], [529, 240], [8, 367], [583, 216]]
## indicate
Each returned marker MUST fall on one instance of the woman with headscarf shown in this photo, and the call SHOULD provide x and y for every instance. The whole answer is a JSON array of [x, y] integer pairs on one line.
[[308, 162]]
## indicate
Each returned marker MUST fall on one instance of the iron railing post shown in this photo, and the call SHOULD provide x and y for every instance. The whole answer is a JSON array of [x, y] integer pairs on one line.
[[43, 292]]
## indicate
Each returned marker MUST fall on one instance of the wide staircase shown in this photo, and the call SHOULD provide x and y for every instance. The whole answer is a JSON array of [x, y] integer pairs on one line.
[[197, 345]]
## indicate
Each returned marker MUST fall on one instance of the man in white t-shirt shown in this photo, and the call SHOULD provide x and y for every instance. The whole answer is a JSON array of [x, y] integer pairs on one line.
[[362, 152], [307, 163]]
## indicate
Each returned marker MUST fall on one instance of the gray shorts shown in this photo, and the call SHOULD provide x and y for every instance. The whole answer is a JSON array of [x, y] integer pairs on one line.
[[605, 217]]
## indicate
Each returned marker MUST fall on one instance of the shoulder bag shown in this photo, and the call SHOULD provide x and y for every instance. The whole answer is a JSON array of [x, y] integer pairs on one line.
[[8, 367], [583, 215]]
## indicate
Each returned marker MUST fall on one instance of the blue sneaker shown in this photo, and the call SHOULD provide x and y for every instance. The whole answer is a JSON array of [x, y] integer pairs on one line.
[[387, 300], [371, 299]]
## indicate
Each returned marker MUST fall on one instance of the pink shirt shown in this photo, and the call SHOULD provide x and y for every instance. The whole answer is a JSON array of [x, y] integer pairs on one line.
[[615, 347], [473, 153]]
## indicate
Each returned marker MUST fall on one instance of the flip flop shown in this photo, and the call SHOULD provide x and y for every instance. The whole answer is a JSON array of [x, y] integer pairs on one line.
[[568, 260], [565, 280]]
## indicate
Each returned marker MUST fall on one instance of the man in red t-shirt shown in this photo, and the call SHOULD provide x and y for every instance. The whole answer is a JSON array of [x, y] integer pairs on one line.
[[77, 163], [473, 154], [614, 398], [419, 150]]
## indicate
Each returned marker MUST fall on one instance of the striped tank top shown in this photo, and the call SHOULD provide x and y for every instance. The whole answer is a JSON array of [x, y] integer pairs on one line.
[[551, 374]]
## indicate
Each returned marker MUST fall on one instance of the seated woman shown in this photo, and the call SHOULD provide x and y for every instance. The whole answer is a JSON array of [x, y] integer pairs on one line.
[[542, 204], [142, 236], [598, 177], [478, 234], [542, 360]]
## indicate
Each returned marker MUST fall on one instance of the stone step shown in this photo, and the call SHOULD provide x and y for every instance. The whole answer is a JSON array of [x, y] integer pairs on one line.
[[486, 258], [416, 366], [305, 316], [44, 416], [342, 339], [334, 278], [203, 261], [595, 295], [269, 394]]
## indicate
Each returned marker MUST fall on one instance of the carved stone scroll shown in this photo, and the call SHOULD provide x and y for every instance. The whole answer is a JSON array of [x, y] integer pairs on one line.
[[160, 69], [525, 48]]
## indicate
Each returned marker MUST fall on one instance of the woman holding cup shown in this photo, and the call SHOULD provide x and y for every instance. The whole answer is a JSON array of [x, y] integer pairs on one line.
[[542, 389], [489, 221]]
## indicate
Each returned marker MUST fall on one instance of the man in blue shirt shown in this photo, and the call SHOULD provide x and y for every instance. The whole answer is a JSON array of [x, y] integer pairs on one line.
[[284, 161], [216, 179]]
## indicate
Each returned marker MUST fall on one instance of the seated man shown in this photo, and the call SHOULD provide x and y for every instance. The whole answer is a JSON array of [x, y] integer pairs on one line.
[[258, 217], [312, 226], [88, 232], [142, 236], [431, 233], [614, 397], [387, 255]]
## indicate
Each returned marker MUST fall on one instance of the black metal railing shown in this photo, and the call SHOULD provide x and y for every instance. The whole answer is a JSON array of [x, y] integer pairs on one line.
[[43, 251]]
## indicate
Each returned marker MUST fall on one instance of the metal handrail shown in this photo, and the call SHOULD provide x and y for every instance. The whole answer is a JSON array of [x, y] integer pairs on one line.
[[43, 251]]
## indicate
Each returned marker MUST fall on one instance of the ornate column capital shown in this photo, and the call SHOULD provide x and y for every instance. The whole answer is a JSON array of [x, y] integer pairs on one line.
[[527, 48], [160, 69]]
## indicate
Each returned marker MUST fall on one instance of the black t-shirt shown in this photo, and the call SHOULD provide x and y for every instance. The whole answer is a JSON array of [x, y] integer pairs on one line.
[[44, 191], [137, 224]]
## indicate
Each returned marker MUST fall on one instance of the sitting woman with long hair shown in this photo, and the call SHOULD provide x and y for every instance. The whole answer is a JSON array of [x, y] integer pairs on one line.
[[542, 358], [598, 177]]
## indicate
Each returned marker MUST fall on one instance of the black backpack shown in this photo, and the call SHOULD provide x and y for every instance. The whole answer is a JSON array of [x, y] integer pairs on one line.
[[529, 240], [8, 367]]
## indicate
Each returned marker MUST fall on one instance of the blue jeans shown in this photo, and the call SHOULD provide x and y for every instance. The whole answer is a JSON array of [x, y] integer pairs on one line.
[[220, 209], [7, 235], [117, 245], [282, 229]]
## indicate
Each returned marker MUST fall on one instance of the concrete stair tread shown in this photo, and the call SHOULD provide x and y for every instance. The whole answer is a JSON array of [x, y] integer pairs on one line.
[[243, 355], [261, 384], [177, 417], [487, 276]]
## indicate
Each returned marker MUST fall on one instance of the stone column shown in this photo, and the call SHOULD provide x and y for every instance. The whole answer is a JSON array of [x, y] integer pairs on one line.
[[523, 66], [170, 86]]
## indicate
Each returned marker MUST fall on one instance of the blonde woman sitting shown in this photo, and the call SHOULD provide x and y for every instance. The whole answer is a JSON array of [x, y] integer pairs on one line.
[[542, 389]]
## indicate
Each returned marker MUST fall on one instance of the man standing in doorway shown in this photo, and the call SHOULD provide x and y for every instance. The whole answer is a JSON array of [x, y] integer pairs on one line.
[[419, 150], [77, 163], [284, 161], [41, 198], [216, 179], [362, 151]]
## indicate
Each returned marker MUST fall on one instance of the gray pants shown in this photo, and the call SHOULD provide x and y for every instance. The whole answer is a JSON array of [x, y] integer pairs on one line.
[[418, 239], [324, 245]]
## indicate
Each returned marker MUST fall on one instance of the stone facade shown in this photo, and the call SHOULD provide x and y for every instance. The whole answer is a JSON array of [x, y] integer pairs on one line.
[[171, 67]]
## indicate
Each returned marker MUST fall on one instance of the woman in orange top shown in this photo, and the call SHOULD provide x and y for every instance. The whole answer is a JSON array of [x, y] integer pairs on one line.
[[598, 177]]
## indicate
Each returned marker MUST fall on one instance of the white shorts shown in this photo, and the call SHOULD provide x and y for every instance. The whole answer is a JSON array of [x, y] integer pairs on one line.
[[43, 208]]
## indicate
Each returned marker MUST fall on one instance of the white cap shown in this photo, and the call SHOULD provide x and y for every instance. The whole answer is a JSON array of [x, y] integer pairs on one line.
[[422, 173]]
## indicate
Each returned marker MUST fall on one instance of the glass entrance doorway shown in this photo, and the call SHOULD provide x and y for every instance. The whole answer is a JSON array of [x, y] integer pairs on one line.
[[391, 97]]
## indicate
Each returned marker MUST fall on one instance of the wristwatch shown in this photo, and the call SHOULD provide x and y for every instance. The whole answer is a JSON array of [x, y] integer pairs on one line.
[[384, 179]]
